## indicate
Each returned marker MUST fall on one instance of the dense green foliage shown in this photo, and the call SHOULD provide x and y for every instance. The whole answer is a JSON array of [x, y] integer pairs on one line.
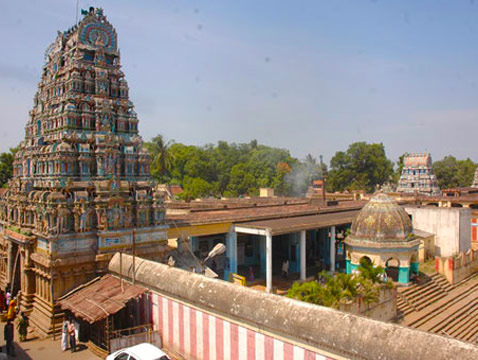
[[231, 170], [362, 167], [341, 287], [398, 171], [221, 170], [6, 166], [162, 158], [451, 172]]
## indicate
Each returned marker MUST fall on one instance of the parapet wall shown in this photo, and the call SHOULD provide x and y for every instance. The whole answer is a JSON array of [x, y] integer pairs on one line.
[[283, 325], [457, 268], [384, 309]]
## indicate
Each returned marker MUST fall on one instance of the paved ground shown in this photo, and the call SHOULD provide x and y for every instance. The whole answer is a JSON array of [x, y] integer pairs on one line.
[[44, 349]]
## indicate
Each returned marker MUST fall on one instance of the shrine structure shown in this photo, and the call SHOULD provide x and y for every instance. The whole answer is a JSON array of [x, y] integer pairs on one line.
[[81, 187], [382, 234]]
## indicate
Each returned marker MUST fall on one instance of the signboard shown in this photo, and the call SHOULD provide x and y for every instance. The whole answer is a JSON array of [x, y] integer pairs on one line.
[[65, 246], [238, 279], [117, 239]]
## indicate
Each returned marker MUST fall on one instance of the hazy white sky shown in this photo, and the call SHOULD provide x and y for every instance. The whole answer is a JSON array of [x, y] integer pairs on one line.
[[310, 76]]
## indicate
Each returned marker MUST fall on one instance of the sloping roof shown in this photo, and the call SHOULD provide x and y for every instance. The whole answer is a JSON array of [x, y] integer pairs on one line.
[[294, 224], [100, 298], [422, 234]]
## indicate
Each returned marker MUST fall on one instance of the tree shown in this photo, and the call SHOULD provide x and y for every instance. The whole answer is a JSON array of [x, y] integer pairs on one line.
[[6, 166], [371, 272], [339, 288], [196, 188], [242, 181], [280, 185], [400, 164], [161, 156], [230, 169], [451, 172], [362, 167]]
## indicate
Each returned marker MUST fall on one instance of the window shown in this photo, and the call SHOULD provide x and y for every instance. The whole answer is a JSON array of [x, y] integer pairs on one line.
[[122, 356]]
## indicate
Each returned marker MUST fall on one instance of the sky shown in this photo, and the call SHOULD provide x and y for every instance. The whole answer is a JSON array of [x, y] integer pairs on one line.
[[311, 76]]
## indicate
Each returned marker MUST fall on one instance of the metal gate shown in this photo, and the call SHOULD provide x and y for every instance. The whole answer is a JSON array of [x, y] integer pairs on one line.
[[120, 339]]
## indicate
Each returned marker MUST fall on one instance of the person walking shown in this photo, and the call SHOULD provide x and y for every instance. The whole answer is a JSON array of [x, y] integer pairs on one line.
[[8, 337], [72, 334], [64, 335], [22, 326]]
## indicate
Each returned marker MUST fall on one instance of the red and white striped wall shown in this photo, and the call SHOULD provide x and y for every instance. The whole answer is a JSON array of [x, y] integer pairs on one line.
[[197, 335]]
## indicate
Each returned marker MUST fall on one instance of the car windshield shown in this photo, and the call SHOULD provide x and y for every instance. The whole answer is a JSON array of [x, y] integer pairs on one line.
[[164, 357]]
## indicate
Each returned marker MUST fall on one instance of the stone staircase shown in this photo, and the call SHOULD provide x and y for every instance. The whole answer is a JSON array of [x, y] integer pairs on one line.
[[417, 297]]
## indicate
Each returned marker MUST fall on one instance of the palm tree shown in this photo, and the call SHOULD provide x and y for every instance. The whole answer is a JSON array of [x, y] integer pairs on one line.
[[162, 157], [368, 271]]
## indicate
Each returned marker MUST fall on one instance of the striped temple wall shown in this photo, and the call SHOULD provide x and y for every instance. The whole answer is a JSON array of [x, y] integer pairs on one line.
[[195, 334]]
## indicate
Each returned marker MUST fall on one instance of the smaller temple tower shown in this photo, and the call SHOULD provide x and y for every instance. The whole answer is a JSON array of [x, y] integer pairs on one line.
[[417, 175]]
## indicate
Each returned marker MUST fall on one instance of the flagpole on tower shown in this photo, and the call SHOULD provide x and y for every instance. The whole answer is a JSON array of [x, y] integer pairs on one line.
[[77, 4]]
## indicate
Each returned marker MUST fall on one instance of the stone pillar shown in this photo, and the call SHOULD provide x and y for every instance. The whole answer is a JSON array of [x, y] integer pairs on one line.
[[29, 277], [231, 252], [302, 255], [404, 275], [10, 261], [262, 252], [332, 249], [269, 262]]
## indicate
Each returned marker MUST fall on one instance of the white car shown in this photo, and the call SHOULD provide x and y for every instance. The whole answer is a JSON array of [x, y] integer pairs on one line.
[[144, 351]]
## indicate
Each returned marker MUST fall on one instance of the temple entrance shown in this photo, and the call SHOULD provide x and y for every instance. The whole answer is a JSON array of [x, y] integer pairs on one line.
[[280, 253], [392, 268]]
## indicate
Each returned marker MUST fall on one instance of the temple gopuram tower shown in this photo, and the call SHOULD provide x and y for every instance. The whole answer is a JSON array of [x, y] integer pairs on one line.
[[417, 176], [81, 188], [475, 179]]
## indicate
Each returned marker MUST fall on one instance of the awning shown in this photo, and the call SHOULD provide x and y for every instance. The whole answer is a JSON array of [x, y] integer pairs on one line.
[[100, 298]]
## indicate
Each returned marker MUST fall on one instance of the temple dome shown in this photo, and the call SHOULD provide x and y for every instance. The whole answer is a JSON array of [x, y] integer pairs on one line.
[[382, 220]]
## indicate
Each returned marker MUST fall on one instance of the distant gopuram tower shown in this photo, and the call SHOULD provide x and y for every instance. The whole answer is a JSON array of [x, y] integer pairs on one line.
[[81, 188], [475, 179], [417, 175]]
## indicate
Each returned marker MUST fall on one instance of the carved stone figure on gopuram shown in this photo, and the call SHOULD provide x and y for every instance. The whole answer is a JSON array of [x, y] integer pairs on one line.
[[81, 187]]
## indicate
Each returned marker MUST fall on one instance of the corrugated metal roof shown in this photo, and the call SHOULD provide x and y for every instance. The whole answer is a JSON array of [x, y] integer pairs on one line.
[[100, 298]]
